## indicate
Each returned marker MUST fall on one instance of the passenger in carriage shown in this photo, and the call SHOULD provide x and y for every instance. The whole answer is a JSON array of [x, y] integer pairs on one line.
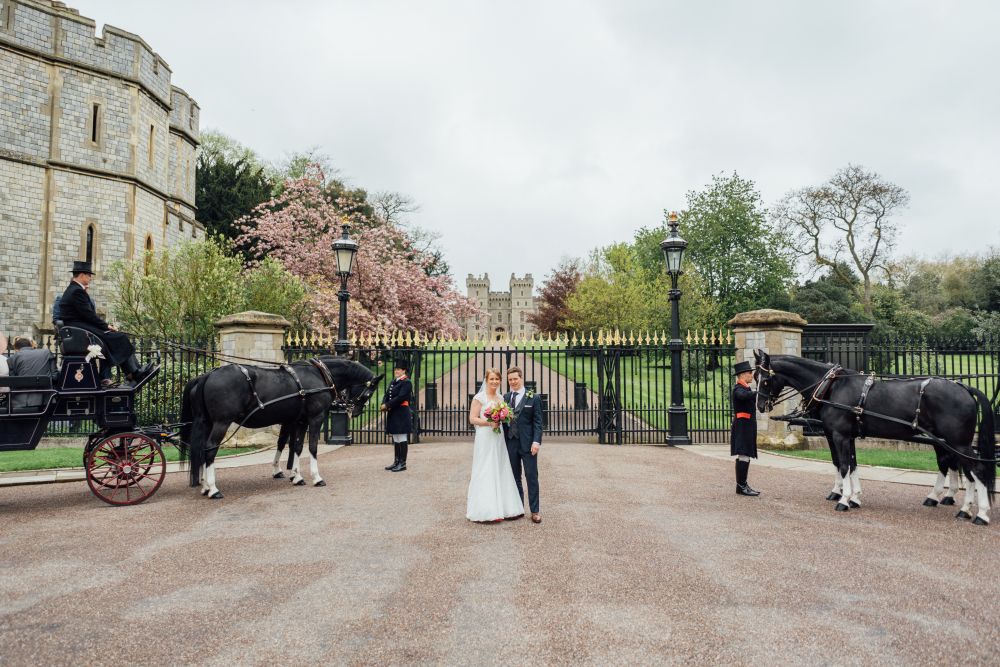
[[29, 360], [4, 370], [77, 309]]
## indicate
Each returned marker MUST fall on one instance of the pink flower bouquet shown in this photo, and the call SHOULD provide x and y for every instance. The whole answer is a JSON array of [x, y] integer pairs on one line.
[[499, 414]]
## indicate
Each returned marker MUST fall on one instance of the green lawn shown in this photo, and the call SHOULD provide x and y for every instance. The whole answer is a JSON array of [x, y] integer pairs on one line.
[[72, 457], [915, 460], [645, 387]]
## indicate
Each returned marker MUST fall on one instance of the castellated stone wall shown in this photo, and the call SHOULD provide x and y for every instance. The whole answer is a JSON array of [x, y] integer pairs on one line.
[[508, 311], [95, 143]]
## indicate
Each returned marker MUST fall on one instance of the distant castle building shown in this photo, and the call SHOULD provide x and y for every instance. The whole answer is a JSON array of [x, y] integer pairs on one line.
[[97, 155], [508, 311]]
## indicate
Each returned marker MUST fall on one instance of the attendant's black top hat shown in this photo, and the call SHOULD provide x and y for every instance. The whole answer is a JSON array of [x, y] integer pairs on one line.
[[82, 267], [742, 367], [402, 364]]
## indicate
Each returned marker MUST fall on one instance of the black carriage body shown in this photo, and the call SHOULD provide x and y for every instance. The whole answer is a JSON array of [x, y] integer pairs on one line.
[[74, 395]]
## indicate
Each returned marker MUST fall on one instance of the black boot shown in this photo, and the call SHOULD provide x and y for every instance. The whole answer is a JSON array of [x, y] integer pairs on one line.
[[395, 460], [742, 488], [401, 465]]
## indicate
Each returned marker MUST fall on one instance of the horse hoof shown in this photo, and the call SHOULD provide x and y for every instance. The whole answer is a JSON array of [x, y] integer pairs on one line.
[[204, 492], [962, 514], [216, 496], [948, 500], [854, 504], [279, 475], [301, 482], [833, 496], [320, 483], [841, 507], [930, 502], [979, 521]]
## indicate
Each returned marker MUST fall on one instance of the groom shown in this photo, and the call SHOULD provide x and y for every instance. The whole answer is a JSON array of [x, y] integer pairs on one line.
[[524, 437]]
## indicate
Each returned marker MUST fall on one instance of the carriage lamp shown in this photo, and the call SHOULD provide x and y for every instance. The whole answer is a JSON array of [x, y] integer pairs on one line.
[[344, 250], [673, 252]]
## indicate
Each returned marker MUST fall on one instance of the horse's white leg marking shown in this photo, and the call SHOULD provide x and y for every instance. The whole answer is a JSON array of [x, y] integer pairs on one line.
[[838, 484], [938, 488], [970, 496], [210, 480], [296, 477], [983, 498], [204, 481], [856, 486], [845, 497], [277, 455], [954, 483], [314, 470]]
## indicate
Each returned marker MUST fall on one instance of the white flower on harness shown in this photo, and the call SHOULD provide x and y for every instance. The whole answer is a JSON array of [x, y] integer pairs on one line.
[[94, 352]]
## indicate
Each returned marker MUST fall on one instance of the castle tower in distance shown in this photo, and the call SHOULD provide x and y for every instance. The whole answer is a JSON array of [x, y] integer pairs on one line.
[[97, 156], [508, 311]]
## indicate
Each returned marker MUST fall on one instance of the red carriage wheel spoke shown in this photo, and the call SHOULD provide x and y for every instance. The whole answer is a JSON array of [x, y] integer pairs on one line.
[[130, 465]]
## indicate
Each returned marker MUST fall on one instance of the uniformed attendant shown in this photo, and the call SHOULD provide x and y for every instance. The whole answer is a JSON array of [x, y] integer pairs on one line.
[[743, 442], [396, 405]]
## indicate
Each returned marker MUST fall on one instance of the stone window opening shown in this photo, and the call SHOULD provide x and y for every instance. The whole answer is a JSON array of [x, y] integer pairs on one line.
[[7, 16], [88, 251], [149, 255], [191, 116], [152, 143], [95, 124]]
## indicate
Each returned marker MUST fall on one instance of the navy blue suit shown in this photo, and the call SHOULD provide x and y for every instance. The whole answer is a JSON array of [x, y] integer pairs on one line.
[[525, 429]]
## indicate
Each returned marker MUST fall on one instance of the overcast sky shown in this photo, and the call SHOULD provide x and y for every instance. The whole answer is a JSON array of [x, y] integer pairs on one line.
[[554, 127]]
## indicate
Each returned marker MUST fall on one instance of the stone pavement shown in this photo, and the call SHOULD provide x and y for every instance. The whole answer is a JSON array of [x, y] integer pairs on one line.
[[799, 464], [645, 556]]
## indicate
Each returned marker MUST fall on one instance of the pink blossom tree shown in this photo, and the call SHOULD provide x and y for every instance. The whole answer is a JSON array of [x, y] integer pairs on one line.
[[390, 288]]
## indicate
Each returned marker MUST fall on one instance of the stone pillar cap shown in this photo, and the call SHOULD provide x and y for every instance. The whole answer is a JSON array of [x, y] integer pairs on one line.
[[767, 317], [254, 319]]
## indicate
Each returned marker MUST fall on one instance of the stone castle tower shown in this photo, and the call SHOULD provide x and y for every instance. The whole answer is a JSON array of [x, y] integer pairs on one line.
[[508, 311], [97, 155]]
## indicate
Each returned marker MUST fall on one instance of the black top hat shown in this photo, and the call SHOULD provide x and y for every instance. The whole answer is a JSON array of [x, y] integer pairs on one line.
[[403, 364], [742, 367], [82, 267]]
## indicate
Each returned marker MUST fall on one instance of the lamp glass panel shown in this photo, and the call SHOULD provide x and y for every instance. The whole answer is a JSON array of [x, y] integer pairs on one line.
[[674, 255], [345, 259]]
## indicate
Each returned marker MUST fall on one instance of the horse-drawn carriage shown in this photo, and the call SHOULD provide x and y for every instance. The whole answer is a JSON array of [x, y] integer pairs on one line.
[[124, 463]]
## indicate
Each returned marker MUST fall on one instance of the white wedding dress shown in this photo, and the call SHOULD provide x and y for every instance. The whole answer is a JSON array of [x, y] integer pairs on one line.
[[492, 492]]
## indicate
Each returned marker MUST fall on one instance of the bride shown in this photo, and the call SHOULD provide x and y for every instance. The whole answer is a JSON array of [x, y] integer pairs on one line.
[[493, 495]]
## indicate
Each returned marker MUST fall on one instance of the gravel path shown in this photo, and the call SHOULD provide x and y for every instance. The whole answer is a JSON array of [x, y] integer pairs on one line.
[[645, 556]]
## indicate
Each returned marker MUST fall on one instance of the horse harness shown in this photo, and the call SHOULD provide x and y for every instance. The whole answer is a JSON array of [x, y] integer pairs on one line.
[[302, 392]]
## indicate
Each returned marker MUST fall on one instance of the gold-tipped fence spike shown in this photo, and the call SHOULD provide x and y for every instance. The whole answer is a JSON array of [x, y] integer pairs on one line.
[[408, 339]]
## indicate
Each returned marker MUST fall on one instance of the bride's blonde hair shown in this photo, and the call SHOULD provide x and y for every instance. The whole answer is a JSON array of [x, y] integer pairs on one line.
[[493, 371]]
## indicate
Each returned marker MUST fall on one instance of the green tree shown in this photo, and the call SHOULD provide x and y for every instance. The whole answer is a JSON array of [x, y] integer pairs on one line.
[[230, 181], [742, 261], [182, 292], [828, 299]]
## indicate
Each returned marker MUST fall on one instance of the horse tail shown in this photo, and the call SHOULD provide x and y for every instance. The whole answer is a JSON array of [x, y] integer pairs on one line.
[[187, 417], [987, 441], [199, 431]]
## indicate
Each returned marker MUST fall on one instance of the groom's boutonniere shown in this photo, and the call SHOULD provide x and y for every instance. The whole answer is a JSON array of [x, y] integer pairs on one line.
[[529, 394]]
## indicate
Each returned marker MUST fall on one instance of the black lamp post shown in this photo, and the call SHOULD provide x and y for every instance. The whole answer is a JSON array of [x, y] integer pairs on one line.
[[673, 251], [344, 250]]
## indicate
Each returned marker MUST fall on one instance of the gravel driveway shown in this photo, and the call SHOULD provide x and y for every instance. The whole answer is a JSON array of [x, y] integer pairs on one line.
[[645, 556]]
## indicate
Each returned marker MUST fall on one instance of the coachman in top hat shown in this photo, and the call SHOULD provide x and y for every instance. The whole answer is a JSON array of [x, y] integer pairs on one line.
[[76, 309], [743, 436], [398, 420]]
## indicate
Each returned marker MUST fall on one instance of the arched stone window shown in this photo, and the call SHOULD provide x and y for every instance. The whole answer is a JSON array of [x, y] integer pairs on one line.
[[90, 243]]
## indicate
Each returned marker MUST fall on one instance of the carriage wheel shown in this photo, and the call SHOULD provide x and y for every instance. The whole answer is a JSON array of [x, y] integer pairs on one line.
[[126, 468]]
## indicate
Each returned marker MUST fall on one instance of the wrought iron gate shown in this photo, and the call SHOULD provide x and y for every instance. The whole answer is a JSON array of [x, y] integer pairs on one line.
[[606, 387]]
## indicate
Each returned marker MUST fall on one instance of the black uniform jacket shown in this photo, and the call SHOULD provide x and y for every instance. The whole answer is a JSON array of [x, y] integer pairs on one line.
[[743, 435], [397, 402], [77, 310]]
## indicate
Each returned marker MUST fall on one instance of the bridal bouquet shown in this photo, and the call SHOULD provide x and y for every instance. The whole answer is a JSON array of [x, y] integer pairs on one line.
[[499, 413]]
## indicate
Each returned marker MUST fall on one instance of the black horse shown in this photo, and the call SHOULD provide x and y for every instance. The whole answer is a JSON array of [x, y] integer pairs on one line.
[[851, 405], [297, 396]]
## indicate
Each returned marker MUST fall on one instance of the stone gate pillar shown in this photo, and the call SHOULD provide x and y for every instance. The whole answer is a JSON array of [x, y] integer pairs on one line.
[[775, 332], [253, 335]]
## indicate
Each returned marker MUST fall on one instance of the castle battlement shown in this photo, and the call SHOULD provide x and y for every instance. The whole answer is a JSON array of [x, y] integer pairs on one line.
[[50, 29]]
